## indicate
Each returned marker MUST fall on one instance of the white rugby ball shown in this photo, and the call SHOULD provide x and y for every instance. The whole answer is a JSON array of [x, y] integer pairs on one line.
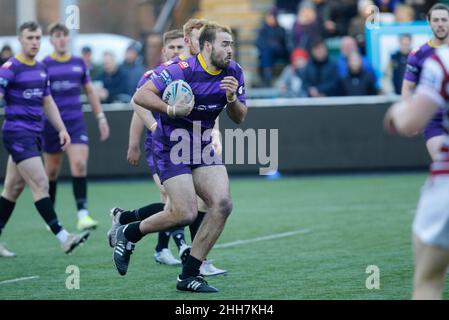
[[175, 90]]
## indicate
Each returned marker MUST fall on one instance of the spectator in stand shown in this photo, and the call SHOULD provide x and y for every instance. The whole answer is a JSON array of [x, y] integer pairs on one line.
[[289, 6], [272, 45], [358, 82], [307, 29], [5, 54], [348, 45], [290, 83], [421, 7], [392, 80], [357, 24], [340, 15], [132, 68], [321, 73], [114, 89], [94, 69], [404, 13], [387, 5]]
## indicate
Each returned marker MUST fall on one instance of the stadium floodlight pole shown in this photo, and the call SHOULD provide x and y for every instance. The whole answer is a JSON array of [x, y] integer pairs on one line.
[[69, 14], [26, 11]]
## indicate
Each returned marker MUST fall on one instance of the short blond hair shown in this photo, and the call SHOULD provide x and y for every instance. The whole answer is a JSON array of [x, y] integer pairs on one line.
[[192, 24]]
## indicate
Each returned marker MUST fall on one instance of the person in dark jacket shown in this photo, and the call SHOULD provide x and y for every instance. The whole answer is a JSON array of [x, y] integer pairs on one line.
[[132, 68], [272, 45], [321, 73], [399, 61], [359, 81], [113, 80]]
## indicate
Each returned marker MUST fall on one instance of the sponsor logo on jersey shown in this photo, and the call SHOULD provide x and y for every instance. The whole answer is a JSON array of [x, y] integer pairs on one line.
[[166, 77], [30, 93], [63, 85], [203, 107], [77, 69], [183, 65], [7, 65]]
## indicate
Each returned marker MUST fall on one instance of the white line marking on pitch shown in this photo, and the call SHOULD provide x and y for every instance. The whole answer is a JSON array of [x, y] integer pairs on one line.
[[18, 279], [270, 237]]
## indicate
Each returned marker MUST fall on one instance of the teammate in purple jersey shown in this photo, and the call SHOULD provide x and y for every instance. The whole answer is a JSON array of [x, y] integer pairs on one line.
[[173, 41], [438, 18], [216, 81], [24, 84], [68, 75]]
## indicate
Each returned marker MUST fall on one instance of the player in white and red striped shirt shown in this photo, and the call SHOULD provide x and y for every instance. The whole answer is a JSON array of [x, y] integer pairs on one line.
[[431, 224]]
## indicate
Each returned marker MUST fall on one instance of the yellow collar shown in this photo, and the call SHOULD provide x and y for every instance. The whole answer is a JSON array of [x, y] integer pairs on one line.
[[24, 60], [432, 45], [182, 57], [204, 65], [63, 58]]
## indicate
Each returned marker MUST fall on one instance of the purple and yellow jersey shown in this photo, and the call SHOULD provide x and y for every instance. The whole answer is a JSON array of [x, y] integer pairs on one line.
[[210, 99], [67, 76], [149, 75], [24, 85], [416, 60]]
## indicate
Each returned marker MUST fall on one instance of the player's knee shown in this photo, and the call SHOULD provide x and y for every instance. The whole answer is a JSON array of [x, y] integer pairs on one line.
[[79, 167], [13, 190], [225, 207], [185, 215], [42, 184]]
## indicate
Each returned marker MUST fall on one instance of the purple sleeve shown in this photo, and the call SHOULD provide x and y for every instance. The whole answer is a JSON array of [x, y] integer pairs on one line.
[[146, 76], [412, 70], [170, 74], [47, 90], [6, 76], [86, 74], [241, 94]]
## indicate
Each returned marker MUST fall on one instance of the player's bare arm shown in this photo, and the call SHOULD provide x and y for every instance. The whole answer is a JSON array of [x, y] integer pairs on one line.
[[235, 109], [408, 116], [145, 116], [135, 132], [94, 101], [148, 97], [53, 115], [408, 87]]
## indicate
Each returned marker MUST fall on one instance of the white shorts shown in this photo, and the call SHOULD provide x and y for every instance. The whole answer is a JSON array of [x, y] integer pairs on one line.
[[431, 224]]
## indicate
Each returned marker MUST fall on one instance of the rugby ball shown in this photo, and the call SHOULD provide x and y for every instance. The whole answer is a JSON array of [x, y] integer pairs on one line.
[[175, 90]]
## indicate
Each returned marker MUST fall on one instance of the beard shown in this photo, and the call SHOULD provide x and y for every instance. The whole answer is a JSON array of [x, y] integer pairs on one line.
[[217, 62], [441, 38]]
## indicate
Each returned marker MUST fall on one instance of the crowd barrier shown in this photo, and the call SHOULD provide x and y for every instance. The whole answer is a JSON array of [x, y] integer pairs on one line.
[[307, 135]]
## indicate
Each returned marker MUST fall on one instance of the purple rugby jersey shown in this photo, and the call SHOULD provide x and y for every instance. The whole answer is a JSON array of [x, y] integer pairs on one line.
[[210, 99], [416, 60], [66, 79], [415, 63], [24, 87], [149, 75]]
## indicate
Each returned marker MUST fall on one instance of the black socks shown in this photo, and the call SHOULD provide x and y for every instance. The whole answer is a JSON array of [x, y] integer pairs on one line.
[[141, 213], [79, 185], [196, 224], [6, 209], [132, 232], [47, 212], [191, 267]]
